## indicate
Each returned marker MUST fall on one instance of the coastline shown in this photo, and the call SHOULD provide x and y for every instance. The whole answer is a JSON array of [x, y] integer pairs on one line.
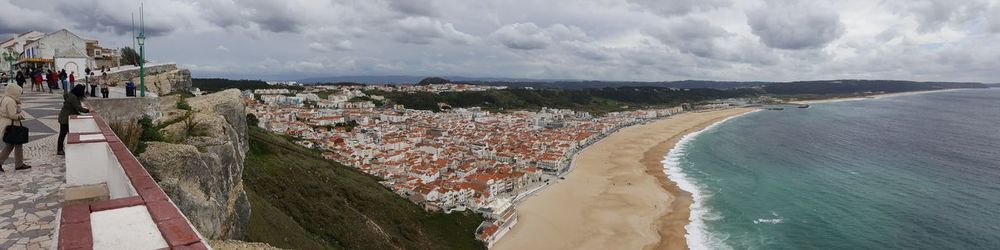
[[621, 174], [832, 100]]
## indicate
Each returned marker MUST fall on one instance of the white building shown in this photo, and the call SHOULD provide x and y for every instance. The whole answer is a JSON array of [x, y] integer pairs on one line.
[[271, 91], [16, 45], [62, 48], [308, 97]]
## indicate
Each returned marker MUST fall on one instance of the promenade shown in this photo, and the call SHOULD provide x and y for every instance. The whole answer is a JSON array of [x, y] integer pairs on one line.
[[30, 199]]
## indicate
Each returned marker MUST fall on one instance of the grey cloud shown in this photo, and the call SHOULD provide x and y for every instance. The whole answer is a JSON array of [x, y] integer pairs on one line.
[[933, 15], [424, 30], [793, 26], [598, 39], [89, 15], [273, 16], [414, 7], [528, 36], [993, 18], [524, 36], [679, 7], [14, 20], [690, 35], [591, 51], [344, 45], [93, 19], [562, 32]]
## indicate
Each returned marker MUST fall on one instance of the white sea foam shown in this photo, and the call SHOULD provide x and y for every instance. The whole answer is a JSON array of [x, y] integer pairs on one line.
[[697, 235], [775, 220]]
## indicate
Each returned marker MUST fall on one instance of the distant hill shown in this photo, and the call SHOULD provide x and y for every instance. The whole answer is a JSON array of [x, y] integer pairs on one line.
[[860, 86], [687, 84], [432, 81], [302, 201], [580, 84], [402, 79], [219, 84], [610, 99]]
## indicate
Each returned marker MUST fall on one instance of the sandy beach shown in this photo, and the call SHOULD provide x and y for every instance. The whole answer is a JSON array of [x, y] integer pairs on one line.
[[872, 96], [617, 196]]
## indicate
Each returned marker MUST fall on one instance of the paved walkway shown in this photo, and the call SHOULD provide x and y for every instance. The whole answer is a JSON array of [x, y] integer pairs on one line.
[[30, 199]]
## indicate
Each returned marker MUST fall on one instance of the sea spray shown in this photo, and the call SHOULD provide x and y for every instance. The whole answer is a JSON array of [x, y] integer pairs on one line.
[[697, 235]]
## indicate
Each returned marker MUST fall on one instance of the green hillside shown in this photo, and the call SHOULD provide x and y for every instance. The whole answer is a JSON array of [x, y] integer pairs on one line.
[[610, 99], [301, 201]]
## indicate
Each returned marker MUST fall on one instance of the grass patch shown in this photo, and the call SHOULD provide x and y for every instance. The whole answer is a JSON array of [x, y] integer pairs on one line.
[[129, 132], [182, 104], [270, 224], [337, 204]]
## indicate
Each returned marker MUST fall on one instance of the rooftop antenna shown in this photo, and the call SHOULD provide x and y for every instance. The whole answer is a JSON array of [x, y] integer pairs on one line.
[[134, 56], [142, 51]]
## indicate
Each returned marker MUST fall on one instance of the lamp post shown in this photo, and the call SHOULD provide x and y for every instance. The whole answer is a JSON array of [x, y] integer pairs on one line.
[[8, 57], [142, 63]]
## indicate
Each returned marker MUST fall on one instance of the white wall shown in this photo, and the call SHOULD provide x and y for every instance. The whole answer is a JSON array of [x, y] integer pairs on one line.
[[72, 65], [87, 163]]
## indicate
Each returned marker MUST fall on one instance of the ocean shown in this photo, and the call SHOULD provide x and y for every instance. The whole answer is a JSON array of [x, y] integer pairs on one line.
[[906, 172]]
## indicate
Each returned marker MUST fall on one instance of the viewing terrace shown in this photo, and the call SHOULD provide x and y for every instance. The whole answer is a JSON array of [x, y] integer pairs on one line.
[[96, 197]]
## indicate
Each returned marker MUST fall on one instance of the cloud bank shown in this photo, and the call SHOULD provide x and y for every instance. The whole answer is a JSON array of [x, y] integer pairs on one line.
[[643, 40]]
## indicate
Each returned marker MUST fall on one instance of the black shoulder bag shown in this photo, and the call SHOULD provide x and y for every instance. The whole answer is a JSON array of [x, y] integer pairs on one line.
[[16, 134]]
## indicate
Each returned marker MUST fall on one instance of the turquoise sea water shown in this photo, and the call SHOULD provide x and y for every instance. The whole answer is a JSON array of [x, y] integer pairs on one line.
[[907, 172]]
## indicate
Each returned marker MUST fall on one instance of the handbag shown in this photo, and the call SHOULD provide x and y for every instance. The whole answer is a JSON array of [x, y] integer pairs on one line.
[[16, 134]]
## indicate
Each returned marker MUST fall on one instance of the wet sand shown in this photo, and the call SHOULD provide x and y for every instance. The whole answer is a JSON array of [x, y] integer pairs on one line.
[[617, 195]]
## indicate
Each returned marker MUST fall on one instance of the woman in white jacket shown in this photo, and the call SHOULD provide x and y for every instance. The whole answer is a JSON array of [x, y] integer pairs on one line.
[[10, 111]]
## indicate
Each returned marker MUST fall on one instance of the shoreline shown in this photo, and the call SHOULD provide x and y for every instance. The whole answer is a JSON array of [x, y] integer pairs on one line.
[[876, 96], [621, 174]]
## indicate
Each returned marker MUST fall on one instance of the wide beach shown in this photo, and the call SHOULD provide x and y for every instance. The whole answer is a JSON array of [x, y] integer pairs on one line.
[[617, 195]]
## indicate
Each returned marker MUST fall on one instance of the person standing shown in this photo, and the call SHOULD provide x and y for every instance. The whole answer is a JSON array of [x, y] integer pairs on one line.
[[86, 78], [53, 80], [36, 81], [105, 85], [62, 79], [93, 84], [20, 79], [10, 111], [72, 79], [72, 105]]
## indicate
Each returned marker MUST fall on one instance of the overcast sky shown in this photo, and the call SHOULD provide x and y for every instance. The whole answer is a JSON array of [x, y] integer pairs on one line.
[[648, 40]]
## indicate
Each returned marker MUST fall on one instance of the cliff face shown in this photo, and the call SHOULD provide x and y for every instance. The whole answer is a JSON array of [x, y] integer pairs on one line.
[[168, 82], [201, 165], [161, 79]]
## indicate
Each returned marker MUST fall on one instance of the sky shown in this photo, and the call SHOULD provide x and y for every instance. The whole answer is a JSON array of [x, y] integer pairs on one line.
[[626, 40]]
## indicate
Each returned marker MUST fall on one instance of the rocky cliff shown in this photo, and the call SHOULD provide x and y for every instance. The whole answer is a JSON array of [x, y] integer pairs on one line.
[[200, 162], [161, 79]]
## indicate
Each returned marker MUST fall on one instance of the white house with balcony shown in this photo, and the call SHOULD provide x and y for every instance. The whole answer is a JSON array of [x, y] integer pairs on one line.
[[62, 48]]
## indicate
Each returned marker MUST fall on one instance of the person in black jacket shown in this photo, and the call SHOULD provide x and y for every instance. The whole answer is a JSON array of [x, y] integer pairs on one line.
[[20, 79], [72, 105], [62, 79]]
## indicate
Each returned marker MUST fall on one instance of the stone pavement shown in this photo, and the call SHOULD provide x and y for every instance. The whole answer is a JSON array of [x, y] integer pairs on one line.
[[30, 199]]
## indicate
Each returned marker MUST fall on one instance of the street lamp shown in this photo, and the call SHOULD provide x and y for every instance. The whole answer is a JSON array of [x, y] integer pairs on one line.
[[141, 39], [8, 56]]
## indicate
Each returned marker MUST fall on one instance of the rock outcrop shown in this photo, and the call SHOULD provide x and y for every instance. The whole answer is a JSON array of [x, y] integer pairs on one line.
[[200, 166], [160, 79], [168, 82], [240, 245]]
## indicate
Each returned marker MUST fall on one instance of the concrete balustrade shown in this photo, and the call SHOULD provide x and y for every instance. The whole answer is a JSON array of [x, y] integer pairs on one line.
[[136, 214], [83, 124]]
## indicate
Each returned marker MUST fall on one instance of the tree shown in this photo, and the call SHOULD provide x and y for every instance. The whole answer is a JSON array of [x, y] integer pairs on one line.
[[252, 120], [130, 57], [433, 80]]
